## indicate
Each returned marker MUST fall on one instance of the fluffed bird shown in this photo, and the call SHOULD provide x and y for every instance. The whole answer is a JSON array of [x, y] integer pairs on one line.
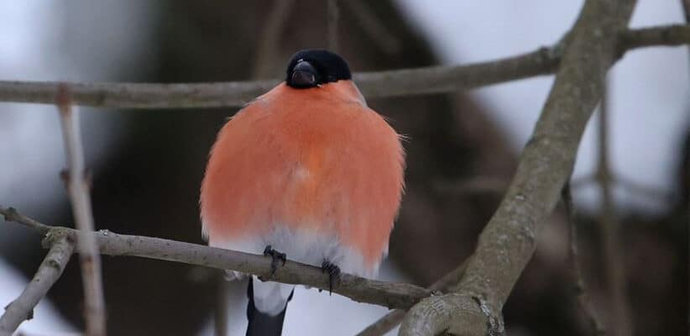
[[306, 171]]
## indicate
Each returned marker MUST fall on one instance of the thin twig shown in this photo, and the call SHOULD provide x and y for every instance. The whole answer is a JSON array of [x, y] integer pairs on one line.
[[333, 16], [434, 79], [387, 294], [393, 318], [595, 325], [78, 189], [610, 229], [11, 215], [48, 273], [686, 11]]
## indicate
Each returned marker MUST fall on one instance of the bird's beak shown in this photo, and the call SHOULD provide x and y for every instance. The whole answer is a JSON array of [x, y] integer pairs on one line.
[[304, 75]]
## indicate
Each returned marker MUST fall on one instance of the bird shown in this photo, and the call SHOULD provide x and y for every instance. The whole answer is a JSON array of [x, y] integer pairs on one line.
[[306, 171]]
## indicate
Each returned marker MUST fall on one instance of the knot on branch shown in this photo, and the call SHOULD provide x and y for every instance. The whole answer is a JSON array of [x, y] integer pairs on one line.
[[55, 235]]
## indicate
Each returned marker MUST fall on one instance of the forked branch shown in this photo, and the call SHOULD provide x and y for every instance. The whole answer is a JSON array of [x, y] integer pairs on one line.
[[48, 273]]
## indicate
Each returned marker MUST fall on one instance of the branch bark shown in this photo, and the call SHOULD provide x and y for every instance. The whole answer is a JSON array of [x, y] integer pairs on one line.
[[48, 273], [673, 35], [78, 189], [392, 319], [427, 80], [508, 241], [387, 294]]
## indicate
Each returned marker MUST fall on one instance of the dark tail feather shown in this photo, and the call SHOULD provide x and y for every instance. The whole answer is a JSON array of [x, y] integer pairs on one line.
[[261, 324]]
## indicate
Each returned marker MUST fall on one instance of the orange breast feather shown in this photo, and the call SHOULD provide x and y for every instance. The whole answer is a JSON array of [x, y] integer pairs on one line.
[[315, 159]]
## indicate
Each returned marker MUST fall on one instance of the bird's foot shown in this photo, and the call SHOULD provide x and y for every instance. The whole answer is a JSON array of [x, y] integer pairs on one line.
[[276, 258], [333, 274]]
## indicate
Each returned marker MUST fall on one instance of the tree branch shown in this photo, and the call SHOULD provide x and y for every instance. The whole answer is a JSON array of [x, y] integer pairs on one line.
[[51, 268], [610, 229], [594, 324], [11, 215], [508, 241], [686, 10], [670, 36], [392, 319], [388, 294], [78, 189], [435, 79]]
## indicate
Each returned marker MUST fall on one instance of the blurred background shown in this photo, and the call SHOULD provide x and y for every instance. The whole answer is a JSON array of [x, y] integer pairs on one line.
[[462, 149]]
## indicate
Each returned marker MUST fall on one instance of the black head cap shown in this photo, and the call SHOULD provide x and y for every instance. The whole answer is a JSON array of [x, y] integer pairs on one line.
[[311, 67]]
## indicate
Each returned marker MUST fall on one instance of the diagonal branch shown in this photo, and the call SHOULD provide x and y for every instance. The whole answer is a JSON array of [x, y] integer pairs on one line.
[[48, 273], [78, 189], [508, 241], [388, 294], [435, 79], [392, 319]]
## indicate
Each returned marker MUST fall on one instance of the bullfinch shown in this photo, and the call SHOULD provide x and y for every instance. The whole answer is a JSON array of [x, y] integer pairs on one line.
[[306, 171]]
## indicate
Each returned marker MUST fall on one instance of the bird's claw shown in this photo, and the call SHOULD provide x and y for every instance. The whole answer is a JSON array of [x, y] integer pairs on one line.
[[333, 274], [275, 258]]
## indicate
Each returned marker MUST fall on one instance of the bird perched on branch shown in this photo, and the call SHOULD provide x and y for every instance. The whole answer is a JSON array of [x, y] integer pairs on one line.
[[306, 171]]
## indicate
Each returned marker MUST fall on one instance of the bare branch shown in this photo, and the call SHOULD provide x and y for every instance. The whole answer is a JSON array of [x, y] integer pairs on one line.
[[435, 79], [392, 319], [11, 215], [509, 239], [574, 258], [610, 228], [388, 294], [669, 36], [78, 188], [48, 273], [385, 324]]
